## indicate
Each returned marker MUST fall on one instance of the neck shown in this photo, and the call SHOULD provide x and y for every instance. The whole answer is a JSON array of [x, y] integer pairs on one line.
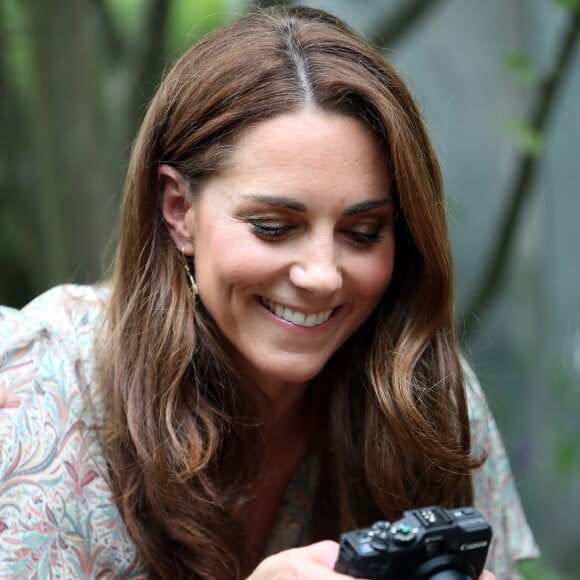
[[287, 439], [278, 402]]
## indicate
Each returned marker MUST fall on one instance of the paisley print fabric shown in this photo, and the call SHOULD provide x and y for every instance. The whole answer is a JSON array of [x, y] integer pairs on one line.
[[57, 514]]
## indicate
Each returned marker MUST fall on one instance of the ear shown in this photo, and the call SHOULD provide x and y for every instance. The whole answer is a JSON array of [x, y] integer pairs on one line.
[[175, 205]]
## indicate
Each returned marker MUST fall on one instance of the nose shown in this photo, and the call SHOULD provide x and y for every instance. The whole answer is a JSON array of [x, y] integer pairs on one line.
[[317, 270]]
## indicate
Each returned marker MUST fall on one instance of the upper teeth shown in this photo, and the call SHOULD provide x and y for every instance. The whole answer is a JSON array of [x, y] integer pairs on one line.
[[296, 317]]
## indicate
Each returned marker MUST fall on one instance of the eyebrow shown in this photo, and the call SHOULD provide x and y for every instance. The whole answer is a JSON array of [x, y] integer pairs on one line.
[[367, 205], [284, 202], [287, 203]]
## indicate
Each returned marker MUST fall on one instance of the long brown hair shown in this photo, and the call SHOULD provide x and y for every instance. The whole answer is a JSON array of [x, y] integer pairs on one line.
[[180, 439]]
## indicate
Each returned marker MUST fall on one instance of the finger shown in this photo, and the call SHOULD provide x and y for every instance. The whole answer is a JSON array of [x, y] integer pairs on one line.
[[313, 562], [485, 575], [324, 553]]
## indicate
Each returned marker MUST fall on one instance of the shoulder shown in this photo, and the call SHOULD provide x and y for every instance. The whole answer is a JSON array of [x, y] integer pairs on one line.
[[65, 316], [46, 348], [58, 515], [60, 307], [495, 490], [476, 401]]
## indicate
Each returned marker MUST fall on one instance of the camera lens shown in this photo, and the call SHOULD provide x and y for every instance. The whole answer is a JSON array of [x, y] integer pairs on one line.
[[445, 567], [450, 575]]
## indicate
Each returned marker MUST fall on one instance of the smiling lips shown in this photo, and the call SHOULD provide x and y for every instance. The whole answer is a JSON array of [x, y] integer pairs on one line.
[[295, 316]]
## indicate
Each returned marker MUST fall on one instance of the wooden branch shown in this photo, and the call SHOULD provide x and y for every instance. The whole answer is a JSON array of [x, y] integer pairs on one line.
[[113, 40], [13, 144], [149, 62], [522, 190], [20, 263], [393, 27]]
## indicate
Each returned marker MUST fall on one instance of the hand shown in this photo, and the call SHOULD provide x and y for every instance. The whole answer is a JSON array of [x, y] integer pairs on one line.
[[313, 562]]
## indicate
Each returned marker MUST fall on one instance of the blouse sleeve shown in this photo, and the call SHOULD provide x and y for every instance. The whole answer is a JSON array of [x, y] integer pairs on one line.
[[495, 492], [58, 518]]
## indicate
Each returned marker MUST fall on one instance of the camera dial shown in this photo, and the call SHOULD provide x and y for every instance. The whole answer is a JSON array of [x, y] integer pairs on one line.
[[403, 533]]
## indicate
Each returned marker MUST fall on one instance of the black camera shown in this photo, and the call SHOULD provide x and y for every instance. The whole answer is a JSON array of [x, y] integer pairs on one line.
[[430, 543]]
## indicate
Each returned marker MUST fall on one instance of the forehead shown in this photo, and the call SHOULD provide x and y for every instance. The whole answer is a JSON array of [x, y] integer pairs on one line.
[[310, 146]]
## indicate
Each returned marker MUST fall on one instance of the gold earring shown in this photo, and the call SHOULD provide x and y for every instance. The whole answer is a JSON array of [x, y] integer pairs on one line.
[[193, 285]]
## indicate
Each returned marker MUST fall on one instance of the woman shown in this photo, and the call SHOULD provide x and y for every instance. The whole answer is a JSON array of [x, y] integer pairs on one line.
[[277, 362]]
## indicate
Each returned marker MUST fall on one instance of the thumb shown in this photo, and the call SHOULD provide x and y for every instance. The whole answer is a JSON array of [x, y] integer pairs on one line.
[[325, 553]]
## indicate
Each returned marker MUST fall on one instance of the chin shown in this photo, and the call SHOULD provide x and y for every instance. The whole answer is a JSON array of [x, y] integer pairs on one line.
[[292, 374], [303, 377]]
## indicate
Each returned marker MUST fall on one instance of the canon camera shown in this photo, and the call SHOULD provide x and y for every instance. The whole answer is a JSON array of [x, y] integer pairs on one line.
[[430, 543]]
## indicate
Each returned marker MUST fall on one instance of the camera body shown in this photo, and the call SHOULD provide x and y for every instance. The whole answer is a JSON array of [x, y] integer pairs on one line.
[[427, 543]]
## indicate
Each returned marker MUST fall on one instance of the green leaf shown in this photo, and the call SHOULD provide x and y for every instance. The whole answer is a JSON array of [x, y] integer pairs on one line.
[[529, 139], [521, 68], [568, 456], [126, 15], [540, 570], [572, 4], [188, 21]]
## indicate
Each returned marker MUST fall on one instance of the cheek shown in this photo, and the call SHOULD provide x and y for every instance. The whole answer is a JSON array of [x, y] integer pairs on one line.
[[374, 286], [374, 275], [235, 264]]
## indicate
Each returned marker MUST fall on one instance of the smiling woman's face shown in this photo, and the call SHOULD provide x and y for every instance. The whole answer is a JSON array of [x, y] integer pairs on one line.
[[293, 242]]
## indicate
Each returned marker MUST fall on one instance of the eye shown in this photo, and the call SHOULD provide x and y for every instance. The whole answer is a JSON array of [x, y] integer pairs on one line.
[[360, 237], [364, 232], [269, 230]]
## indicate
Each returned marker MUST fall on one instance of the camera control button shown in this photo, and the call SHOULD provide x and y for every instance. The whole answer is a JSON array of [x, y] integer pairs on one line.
[[364, 549], [429, 517], [403, 533], [380, 538], [381, 525]]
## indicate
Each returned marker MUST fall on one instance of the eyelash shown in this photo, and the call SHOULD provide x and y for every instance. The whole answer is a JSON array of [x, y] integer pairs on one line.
[[269, 232], [275, 233], [364, 237]]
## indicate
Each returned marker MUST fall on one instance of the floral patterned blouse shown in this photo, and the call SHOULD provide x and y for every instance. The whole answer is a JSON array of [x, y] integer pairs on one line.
[[58, 518]]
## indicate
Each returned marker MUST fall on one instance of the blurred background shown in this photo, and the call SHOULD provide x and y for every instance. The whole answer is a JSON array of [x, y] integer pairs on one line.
[[499, 85]]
